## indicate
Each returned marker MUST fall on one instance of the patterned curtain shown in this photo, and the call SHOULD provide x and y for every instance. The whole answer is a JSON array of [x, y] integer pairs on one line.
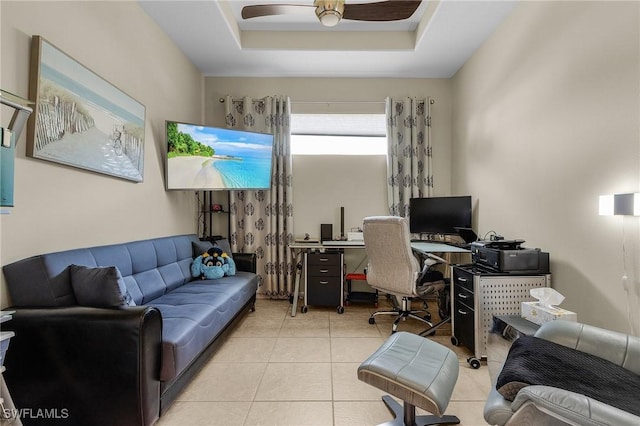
[[262, 221], [409, 170]]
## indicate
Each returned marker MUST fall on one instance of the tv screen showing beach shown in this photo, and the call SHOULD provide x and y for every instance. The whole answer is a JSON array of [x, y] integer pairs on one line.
[[211, 158]]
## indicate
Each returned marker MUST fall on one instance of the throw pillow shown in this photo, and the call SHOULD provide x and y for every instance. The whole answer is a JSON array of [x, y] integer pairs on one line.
[[101, 287], [200, 247], [224, 246]]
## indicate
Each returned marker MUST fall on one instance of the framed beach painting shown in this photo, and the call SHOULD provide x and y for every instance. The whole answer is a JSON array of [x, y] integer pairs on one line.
[[80, 119]]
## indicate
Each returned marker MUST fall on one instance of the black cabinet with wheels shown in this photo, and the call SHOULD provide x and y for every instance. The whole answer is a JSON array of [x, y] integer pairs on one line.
[[478, 295], [324, 280]]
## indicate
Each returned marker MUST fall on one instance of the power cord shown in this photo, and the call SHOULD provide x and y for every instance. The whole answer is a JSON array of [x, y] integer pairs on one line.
[[360, 264], [493, 236], [631, 285]]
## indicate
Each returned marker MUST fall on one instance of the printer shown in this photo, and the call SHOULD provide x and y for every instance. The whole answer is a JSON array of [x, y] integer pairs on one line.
[[508, 256]]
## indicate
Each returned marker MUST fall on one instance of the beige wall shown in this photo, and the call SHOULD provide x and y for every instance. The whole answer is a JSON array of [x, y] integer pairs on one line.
[[542, 120], [546, 118], [58, 207], [324, 183]]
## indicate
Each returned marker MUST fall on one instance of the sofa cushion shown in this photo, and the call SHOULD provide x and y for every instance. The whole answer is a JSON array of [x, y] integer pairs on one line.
[[150, 268], [195, 313], [101, 287]]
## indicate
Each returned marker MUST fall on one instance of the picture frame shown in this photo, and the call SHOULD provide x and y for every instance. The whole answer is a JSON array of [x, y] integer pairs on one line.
[[80, 119]]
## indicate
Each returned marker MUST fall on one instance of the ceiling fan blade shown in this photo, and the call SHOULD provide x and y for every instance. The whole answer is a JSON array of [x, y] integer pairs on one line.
[[256, 11], [392, 10]]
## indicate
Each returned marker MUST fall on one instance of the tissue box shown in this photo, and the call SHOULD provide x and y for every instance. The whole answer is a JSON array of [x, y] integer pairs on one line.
[[532, 311]]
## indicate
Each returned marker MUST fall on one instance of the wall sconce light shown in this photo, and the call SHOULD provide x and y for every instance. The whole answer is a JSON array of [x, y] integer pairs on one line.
[[620, 204]]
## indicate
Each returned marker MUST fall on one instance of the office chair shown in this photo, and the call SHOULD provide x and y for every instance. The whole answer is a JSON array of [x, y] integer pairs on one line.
[[394, 269]]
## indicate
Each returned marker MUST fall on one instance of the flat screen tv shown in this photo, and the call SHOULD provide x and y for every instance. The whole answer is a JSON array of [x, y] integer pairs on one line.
[[204, 158], [439, 215]]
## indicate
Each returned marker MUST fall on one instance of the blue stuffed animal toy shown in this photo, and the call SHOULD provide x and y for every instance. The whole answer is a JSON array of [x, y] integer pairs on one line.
[[213, 264]]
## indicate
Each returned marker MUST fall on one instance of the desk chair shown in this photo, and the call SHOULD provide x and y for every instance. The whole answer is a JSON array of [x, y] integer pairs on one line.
[[394, 269]]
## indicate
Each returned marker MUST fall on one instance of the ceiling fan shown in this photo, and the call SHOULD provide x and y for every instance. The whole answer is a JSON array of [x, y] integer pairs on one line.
[[330, 12]]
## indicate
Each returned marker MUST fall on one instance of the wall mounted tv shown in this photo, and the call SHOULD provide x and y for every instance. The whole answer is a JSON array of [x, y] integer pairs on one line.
[[439, 215], [204, 158]]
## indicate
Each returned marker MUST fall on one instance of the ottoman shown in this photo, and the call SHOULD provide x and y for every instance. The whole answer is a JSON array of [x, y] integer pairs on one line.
[[416, 370]]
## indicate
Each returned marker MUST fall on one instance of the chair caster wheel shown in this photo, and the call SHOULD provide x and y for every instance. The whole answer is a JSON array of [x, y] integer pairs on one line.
[[474, 362], [372, 320], [304, 309], [455, 341], [340, 309], [427, 317]]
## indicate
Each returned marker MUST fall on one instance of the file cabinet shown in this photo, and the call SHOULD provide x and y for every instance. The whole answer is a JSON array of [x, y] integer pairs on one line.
[[478, 295], [324, 280]]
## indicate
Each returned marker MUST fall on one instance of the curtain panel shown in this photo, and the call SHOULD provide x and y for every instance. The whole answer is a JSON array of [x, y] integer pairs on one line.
[[262, 220], [409, 155]]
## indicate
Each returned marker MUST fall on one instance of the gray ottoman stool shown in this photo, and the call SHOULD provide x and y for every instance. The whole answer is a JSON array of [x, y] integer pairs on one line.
[[420, 372]]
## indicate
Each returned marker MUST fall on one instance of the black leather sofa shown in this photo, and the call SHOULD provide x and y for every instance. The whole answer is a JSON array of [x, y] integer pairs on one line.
[[119, 365]]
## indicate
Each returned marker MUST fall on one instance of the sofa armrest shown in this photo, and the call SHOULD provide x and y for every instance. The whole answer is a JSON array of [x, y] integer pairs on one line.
[[92, 366], [619, 348], [245, 262], [571, 407]]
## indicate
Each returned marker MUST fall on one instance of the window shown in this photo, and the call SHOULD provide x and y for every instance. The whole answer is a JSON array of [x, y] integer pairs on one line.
[[338, 134]]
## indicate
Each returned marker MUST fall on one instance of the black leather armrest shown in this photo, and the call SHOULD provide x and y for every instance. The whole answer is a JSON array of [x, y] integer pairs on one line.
[[88, 366], [245, 262]]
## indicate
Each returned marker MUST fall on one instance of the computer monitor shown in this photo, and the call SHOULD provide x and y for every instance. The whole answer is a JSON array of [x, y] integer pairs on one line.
[[439, 215]]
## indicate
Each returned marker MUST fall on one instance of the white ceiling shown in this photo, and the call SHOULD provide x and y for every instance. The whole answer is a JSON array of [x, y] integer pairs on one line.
[[434, 43]]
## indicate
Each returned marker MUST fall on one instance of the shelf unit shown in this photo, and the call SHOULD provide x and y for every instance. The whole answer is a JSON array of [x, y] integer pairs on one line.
[[9, 139], [8, 413], [207, 214]]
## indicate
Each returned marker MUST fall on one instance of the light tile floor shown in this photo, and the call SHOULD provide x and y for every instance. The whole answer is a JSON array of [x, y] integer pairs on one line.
[[292, 371]]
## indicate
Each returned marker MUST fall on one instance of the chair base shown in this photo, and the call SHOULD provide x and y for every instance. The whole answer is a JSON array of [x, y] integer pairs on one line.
[[403, 312], [405, 415], [432, 330]]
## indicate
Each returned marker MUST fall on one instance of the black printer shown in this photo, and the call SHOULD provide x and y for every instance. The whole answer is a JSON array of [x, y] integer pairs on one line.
[[508, 256]]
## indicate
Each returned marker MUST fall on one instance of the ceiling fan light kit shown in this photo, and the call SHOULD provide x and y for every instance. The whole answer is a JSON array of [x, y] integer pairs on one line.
[[329, 12]]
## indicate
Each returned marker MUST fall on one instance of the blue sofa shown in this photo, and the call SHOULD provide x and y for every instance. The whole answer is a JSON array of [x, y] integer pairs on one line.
[[120, 365]]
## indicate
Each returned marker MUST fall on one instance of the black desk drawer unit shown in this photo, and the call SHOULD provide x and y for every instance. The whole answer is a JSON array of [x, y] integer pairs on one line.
[[464, 310], [324, 280], [478, 296]]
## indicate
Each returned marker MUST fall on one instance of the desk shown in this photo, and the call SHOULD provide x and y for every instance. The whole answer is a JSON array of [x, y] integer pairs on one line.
[[428, 248], [301, 249]]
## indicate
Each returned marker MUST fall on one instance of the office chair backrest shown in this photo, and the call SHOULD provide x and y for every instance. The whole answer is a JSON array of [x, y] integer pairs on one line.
[[392, 266]]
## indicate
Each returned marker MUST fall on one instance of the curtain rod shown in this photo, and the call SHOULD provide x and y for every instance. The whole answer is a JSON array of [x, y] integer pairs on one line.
[[337, 102], [431, 101]]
